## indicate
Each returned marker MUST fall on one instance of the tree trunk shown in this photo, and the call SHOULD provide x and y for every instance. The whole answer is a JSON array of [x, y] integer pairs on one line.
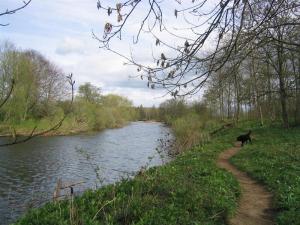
[[222, 104], [236, 86], [257, 100], [271, 110], [297, 116], [229, 101], [282, 91]]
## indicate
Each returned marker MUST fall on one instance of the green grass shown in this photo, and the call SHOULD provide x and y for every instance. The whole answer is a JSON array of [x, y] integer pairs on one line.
[[274, 159], [189, 190]]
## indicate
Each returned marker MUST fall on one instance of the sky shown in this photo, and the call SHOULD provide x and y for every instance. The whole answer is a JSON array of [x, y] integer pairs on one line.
[[62, 31]]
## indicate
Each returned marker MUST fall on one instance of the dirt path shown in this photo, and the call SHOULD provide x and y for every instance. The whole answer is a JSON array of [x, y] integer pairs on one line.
[[255, 203]]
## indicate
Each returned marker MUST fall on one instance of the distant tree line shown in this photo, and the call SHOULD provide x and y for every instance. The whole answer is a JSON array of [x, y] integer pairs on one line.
[[38, 96]]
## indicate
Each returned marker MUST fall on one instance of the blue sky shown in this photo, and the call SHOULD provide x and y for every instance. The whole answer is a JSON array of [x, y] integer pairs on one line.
[[62, 31]]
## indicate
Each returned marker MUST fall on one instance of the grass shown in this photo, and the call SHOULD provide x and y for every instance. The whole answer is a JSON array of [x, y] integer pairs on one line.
[[190, 130], [189, 190], [274, 159]]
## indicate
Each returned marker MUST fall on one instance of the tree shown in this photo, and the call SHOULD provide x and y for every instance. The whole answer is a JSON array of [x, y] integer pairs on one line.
[[13, 11], [183, 68], [231, 30], [89, 93], [29, 86], [112, 100], [7, 94]]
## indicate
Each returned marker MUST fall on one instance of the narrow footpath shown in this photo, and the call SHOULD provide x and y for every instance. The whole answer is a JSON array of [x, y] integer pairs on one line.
[[255, 206]]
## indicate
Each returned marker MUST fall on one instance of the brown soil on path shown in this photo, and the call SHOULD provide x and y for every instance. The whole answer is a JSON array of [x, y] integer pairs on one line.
[[255, 202]]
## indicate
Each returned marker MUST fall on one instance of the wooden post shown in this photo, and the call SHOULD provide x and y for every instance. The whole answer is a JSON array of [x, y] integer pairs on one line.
[[58, 187]]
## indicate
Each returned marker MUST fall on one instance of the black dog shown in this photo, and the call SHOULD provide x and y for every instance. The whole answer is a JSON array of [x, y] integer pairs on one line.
[[244, 138]]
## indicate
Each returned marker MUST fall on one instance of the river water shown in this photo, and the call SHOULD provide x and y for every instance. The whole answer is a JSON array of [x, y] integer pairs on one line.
[[29, 171]]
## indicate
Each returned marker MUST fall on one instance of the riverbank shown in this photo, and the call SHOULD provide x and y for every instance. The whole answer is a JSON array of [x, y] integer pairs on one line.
[[65, 130], [191, 189], [95, 159]]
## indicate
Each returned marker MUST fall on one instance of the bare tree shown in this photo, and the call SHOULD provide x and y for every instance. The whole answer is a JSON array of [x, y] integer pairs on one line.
[[12, 11], [214, 33], [187, 66]]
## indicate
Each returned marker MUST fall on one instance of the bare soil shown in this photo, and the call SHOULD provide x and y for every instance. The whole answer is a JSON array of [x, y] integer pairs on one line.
[[255, 204]]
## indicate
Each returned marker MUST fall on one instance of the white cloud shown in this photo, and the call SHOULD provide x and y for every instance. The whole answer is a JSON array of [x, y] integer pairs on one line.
[[145, 97], [61, 30], [69, 46]]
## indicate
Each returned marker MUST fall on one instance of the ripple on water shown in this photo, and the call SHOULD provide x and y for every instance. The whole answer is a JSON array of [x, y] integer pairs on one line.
[[29, 171]]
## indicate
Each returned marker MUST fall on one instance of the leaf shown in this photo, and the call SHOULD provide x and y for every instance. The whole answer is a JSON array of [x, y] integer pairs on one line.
[[120, 18], [119, 6], [98, 5], [107, 28], [109, 11], [157, 42], [187, 44]]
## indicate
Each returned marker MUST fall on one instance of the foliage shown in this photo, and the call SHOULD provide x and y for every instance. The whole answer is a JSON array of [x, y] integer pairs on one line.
[[38, 84], [89, 93], [189, 131], [190, 123], [172, 109], [147, 114], [39, 98], [111, 111]]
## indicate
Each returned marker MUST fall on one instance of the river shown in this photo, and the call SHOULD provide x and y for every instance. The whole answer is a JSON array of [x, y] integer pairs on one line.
[[29, 171]]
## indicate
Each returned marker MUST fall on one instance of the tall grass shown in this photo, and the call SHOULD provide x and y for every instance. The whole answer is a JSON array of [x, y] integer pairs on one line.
[[191, 130]]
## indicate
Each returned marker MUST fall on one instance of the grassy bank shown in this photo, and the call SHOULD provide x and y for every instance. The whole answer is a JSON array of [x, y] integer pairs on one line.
[[189, 190], [274, 159], [69, 127]]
